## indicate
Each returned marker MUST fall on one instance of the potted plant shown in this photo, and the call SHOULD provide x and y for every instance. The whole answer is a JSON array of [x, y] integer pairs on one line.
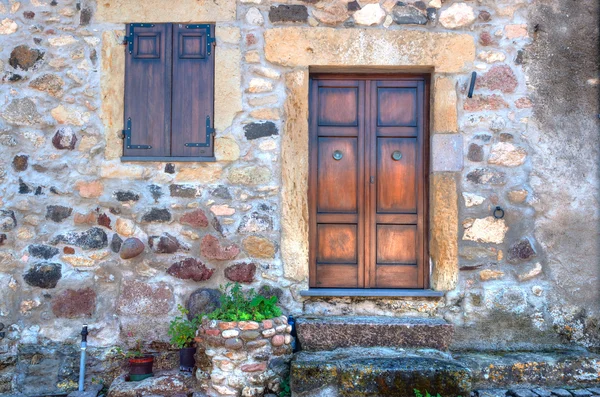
[[140, 364], [247, 335], [182, 332]]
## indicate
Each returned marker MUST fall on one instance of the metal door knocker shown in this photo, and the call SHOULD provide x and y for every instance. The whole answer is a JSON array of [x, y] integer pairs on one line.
[[337, 155], [396, 155], [498, 213]]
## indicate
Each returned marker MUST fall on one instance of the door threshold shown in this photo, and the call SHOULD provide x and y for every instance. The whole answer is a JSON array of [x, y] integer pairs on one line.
[[373, 292]]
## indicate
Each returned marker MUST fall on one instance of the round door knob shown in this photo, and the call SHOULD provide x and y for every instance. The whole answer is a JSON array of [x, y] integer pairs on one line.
[[337, 155], [396, 155]]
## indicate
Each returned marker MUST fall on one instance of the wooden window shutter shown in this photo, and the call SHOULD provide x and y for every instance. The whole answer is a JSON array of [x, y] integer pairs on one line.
[[148, 90], [193, 90]]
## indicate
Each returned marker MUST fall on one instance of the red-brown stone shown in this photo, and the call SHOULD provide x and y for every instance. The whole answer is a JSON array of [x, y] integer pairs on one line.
[[73, 303], [499, 77], [131, 248], [486, 39], [523, 103], [212, 332], [165, 244], [241, 272], [212, 249], [196, 218], [69, 250], [278, 340], [138, 298], [484, 102], [104, 220], [258, 367], [190, 269], [224, 325], [267, 324]]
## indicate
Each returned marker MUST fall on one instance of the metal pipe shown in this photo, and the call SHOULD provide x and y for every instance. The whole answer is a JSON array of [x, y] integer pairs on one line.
[[84, 334], [472, 86]]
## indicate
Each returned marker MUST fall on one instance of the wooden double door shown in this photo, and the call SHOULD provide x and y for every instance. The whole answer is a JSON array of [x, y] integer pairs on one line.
[[368, 181]]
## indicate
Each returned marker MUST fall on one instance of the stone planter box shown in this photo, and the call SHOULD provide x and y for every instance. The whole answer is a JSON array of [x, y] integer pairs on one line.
[[246, 357]]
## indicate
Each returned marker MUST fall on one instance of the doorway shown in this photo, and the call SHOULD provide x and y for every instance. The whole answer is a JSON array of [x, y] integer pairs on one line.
[[368, 168]]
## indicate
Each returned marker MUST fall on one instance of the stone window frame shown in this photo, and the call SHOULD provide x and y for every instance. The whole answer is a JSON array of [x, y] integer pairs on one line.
[[228, 57]]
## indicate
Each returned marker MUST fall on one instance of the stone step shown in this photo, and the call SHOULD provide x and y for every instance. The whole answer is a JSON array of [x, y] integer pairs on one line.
[[377, 371], [558, 368], [328, 333]]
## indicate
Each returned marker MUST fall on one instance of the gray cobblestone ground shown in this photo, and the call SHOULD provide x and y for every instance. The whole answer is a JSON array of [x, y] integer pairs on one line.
[[537, 392]]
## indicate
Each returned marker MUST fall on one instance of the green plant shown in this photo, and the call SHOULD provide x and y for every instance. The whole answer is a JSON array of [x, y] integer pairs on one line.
[[181, 330], [135, 352], [239, 306], [284, 387]]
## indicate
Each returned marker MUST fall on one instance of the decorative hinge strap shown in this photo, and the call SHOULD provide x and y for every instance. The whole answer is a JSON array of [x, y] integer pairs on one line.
[[210, 40], [209, 131], [127, 137], [132, 26]]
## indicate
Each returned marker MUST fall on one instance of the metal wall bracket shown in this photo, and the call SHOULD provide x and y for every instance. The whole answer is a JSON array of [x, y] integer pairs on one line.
[[209, 132], [127, 137], [132, 26], [209, 39]]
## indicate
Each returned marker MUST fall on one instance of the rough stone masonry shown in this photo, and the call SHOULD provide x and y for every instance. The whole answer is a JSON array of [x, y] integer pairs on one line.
[[85, 238]]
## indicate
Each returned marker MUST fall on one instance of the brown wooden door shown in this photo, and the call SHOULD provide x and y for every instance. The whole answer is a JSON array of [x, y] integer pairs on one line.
[[367, 184]]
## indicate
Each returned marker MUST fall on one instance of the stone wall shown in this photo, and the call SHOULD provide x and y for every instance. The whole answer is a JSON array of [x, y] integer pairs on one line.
[[246, 358], [87, 238]]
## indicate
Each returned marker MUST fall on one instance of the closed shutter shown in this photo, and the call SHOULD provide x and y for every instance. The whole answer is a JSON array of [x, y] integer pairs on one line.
[[148, 90], [193, 90]]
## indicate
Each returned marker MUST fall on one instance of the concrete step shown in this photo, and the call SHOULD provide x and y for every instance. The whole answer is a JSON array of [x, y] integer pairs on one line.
[[328, 333], [377, 371], [558, 368]]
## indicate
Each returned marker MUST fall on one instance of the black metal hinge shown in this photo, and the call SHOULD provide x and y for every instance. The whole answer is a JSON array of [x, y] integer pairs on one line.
[[210, 40], [127, 137], [209, 131], [132, 26]]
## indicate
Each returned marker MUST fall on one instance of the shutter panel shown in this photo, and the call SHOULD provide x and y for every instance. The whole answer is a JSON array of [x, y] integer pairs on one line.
[[148, 90], [193, 90]]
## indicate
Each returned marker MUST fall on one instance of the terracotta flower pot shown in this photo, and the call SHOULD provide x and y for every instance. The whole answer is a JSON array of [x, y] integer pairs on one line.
[[140, 368], [186, 359]]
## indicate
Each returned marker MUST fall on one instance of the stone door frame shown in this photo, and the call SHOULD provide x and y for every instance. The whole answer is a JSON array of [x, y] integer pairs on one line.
[[447, 57]]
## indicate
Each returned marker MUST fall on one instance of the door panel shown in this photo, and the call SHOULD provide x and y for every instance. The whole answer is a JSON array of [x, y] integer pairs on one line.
[[396, 175], [337, 244], [397, 107], [338, 106], [338, 161], [397, 244], [367, 182]]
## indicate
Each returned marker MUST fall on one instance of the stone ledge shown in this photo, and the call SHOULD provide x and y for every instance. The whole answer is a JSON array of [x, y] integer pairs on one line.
[[303, 47], [167, 383], [124, 11], [547, 369], [372, 293], [329, 333], [377, 372]]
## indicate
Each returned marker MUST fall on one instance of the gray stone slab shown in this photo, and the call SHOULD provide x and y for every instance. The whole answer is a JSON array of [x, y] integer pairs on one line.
[[553, 369], [561, 393], [595, 390], [447, 152], [378, 371], [89, 391], [581, 393], [329, 333], [542, 392], [491, 393], [521, 393]]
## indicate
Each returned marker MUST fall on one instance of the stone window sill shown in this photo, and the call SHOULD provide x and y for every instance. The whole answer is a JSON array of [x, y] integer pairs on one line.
[[167, 159], [372, 293]]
